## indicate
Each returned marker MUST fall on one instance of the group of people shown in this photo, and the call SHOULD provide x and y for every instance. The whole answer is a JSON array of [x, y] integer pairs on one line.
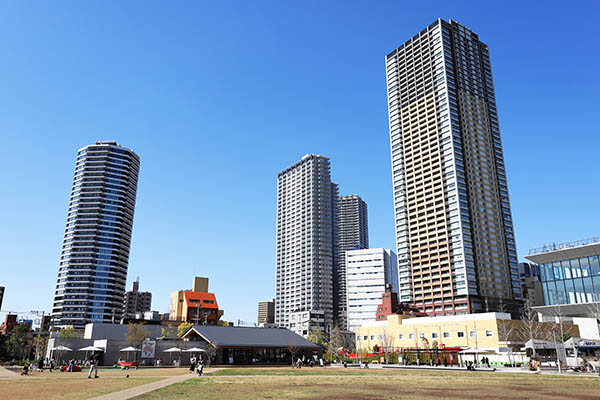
[[39, 367], [196, 364]]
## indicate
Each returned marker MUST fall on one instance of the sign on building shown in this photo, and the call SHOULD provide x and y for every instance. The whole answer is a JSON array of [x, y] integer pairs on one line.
[[148, 348]]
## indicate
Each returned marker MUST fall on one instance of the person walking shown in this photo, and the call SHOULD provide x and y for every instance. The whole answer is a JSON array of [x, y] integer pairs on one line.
[[192, 364], [200, 368], [93, 366], [51, 365]]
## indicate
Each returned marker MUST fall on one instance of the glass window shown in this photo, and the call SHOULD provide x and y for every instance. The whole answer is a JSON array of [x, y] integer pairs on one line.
[[552, 296], [543, 273], [434, 335], [421, 335], [460, 334], [401, 336], [575, 269], [472, 334], [585, 267], [557, 270], [446, 335], [594, 265], [589, 289], [372, 337], [569, 292], [411, 336], [365, 337], [579, 290], [489, 333]]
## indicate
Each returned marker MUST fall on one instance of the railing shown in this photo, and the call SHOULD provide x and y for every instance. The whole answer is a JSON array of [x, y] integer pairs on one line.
[[560, 246]]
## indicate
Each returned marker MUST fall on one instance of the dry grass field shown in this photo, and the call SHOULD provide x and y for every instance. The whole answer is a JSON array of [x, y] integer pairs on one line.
[[75, 385], [329, 384]]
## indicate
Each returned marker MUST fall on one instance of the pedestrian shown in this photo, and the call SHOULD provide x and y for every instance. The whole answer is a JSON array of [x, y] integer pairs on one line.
[[538, 367], [93, 366], [40, 365], [192, 364], [25, 370], [71, 364], [200, 367], [51, 365]]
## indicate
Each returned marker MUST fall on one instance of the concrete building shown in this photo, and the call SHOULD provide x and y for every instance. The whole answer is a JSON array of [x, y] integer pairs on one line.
[[307, 204], [1, 295], [492, 334], [454, 231], [95, 253], [196, 305], [136, 301], [353, 233], [368, 271], [266, 312]]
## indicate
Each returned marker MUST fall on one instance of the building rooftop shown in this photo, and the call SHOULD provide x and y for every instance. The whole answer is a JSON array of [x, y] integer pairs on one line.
[[242, 336], [565, 251]]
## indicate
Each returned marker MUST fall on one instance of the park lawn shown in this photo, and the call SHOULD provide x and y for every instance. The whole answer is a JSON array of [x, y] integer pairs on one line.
[[428, 385], [75, 385]]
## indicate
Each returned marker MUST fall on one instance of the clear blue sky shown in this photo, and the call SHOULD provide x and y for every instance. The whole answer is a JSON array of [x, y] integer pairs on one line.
[[217, 97]]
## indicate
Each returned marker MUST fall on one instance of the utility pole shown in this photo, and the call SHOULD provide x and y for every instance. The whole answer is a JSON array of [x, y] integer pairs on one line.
[[37, 345]]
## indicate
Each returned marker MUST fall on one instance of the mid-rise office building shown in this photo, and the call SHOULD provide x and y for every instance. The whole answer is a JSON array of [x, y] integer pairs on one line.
[[454, 231], [136, 301], [531, 284], [95, 253], [368, 272], [306, 244], [266, 312], [353, 233]]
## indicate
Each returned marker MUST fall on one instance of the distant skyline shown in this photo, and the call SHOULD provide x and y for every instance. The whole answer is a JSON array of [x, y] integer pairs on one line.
[[216, 99]]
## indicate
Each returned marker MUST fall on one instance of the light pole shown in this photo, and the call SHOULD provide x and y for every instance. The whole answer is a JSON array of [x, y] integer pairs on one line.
[[37, 345]]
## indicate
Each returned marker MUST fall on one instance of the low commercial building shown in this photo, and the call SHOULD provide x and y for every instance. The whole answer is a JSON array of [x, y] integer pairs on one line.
[[248, 345], [491, 333], [223, 344]]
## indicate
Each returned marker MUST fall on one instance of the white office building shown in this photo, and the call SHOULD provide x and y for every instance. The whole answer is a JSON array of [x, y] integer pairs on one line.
[[367, 273]]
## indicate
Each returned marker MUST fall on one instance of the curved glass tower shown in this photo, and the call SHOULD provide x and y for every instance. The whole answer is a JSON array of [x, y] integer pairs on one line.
[[93, 264]]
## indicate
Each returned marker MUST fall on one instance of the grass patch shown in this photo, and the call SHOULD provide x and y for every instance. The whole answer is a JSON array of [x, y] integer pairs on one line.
[[286, 383]]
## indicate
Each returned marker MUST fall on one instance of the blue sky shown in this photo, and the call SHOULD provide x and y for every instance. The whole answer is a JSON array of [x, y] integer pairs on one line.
[[218, 97]]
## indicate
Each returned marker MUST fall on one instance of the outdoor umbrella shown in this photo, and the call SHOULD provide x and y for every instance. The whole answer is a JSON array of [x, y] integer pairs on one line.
[[60, 348], [195, 350], [128, 349], [173, 350], [90, 348]]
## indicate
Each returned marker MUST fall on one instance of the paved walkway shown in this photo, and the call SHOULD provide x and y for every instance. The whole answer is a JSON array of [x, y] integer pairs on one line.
[[149, 387], [5, 373]]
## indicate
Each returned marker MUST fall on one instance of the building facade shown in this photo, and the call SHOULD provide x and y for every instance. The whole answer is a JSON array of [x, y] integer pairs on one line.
[[368, 271], [569, 272], [95, 253], [531, 283], [1, 296], [266, 312], [353, 233], [454, 232], [307, 204], [196, 306], [136, 301]]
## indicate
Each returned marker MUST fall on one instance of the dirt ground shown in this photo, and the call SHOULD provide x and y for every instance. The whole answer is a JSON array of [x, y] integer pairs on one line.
[[49, 386], [381, 385]]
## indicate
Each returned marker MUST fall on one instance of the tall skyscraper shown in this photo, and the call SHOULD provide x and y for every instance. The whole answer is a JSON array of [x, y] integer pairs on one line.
[[454, 231], [136, 301], [93, 265], [306, 245], [353, 233]]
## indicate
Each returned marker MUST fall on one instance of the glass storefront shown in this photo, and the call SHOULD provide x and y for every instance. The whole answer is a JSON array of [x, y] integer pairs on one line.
[[573, 281]]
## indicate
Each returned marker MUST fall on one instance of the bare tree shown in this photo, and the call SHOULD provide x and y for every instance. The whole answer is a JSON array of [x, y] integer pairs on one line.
[[531, 328], [336, 342], [506, 330], [387, 343]]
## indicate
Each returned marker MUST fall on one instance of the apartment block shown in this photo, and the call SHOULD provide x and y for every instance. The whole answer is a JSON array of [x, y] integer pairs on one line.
[[454, 231]]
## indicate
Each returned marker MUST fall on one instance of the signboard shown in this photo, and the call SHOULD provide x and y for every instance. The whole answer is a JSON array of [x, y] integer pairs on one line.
[[148, 348]]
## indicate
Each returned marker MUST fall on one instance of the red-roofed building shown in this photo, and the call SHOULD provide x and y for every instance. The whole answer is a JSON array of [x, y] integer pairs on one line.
[[197, 305]]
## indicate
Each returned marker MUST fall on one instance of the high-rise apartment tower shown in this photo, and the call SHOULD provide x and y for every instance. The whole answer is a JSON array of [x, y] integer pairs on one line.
[[266, 312], [93, 264], [454, 232], [306, 245], [353, 233]]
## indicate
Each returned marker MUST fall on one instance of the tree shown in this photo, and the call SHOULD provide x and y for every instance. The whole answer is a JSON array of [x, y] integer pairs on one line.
[[19, 344], [506, 329], [531, 328], [136, 334], [387, 344], [318, 337], [336, 341], [67, 333], [183, 327]]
